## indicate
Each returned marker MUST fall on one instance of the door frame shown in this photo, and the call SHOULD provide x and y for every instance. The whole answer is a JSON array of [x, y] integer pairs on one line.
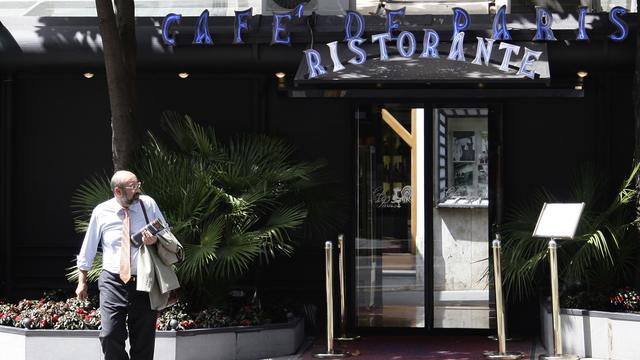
[[495, 210]]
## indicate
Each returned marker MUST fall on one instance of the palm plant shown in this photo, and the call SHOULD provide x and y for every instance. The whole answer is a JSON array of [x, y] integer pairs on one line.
[[601, 255], [234, 206]]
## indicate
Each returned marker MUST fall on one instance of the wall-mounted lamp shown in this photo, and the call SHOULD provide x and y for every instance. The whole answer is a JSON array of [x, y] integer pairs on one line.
[[183, 75], [282, 83], [88, 75], [581, 75]]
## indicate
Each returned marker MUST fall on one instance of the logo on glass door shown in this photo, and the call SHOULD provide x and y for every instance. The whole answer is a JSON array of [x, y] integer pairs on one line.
[[394, 198]]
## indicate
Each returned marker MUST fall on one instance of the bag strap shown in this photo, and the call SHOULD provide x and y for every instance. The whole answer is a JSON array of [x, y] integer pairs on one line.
[[144, 210]]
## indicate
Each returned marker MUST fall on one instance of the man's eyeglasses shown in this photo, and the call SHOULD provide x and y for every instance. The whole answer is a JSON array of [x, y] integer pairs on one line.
[[135, 186]]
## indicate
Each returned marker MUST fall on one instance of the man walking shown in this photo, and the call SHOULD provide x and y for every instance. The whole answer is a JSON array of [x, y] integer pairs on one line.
[[122, 307]]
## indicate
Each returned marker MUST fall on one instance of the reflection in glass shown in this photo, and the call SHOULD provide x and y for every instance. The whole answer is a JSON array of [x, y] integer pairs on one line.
[[460, 218]]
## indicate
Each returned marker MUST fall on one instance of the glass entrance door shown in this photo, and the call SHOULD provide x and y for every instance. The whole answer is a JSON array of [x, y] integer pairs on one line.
[[422, 221], [390, 284]]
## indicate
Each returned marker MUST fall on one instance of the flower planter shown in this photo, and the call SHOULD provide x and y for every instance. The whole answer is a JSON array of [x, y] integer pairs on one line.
[[238, 343], [596, 334]]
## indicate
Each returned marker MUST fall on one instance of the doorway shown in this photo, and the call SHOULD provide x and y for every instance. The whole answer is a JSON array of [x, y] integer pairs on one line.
[[422, 238]]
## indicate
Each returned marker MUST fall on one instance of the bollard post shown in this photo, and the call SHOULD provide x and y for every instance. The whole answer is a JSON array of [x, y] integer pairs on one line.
[[502, 352], [555, 308], [343, 321], [331, 352]]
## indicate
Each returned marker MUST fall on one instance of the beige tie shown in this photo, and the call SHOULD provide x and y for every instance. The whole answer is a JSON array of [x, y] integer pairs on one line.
[[125, 250]]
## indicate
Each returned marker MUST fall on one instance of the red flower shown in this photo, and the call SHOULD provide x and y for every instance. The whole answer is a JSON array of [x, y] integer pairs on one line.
[[80, 311], [87, 317], [44, 323], [55, 318], [16, 318]]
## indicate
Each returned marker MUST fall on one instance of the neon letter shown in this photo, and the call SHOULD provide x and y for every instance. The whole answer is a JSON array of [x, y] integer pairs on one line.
[[298, 11], [349, 20], [393, 23], [333, 50], [457, 52], [614, 17], [400, 44], [483, 51], [507, 54], [500, 31], [278, 28], [166, 24], [313, 63], [382, 38], [582, 34], [457, 26], [528, 61], [361, 55], [202, 29], [241, 23], [544, 19], [430, 44]]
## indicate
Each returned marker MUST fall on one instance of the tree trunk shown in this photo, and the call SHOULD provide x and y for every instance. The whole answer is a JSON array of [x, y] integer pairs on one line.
[[126, 23], [118, 43]]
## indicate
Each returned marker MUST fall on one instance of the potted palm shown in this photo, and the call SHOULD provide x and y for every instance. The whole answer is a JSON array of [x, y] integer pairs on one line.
[[235, 206]]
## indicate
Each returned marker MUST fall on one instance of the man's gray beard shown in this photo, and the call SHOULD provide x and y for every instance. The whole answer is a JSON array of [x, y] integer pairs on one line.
[[130, 202]]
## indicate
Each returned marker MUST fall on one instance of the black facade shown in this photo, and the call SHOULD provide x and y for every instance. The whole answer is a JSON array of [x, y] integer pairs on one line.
[[56, 130]]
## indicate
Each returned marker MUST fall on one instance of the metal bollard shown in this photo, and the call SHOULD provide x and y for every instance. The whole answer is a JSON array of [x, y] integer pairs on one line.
[[555, 308], [343, 321], [502, 352], [331, 353]]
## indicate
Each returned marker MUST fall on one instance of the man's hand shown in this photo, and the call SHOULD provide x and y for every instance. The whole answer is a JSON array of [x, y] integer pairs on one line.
[[82, 291], [148, 239]]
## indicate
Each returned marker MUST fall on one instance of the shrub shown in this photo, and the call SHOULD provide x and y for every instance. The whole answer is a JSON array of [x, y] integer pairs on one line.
[[626, 299], [74, 314]]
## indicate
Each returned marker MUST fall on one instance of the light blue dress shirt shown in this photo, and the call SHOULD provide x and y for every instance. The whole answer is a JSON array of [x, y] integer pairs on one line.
[[105, 227]]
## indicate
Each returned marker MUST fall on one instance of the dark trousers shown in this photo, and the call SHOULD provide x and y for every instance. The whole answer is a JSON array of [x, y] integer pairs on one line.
[[122, 307]]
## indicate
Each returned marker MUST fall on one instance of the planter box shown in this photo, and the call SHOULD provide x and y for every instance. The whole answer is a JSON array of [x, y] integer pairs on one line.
[[232, 343], [596, 334]]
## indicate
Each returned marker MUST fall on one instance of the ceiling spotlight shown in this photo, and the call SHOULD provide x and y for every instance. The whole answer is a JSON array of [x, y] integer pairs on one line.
[[582, 74], [88, 75], [280, 75], [183, 75]]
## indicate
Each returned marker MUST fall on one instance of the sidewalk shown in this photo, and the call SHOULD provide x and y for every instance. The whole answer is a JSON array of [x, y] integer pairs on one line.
[[418, 347]]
